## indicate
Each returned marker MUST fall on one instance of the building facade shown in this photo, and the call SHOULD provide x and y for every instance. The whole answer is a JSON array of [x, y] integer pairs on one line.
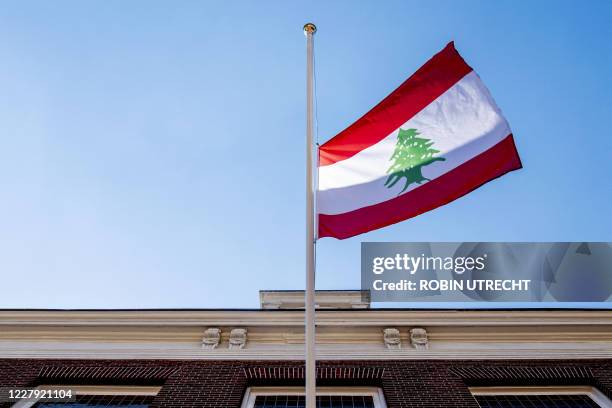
[[366, 357]]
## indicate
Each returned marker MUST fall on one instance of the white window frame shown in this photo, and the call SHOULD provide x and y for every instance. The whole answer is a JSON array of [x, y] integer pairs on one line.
[[592, 392], [253, 392], [93, 390]]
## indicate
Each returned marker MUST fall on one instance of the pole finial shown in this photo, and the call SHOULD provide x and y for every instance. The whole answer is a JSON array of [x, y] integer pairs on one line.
[[310, 28]]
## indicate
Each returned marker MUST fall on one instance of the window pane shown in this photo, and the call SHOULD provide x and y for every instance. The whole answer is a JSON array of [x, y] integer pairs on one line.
[[323, 401], [100, 401], [535, 401]]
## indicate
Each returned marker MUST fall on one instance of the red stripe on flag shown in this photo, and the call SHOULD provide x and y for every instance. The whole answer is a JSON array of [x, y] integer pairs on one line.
[[492, 163], [434, 78]]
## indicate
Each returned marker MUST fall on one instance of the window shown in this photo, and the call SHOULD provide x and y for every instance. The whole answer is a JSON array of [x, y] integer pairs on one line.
[[540, 397], [327, 397], [83, 401], [97, 397]]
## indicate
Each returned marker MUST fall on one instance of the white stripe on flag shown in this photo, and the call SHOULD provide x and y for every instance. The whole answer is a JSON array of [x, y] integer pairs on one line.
[[463, 122]]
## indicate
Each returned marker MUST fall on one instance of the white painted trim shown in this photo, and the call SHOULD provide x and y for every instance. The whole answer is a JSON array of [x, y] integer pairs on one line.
[[374, 392], [110, 389], [344, 318], [344, 351], [93, 390], [592, 392], [278, 334]]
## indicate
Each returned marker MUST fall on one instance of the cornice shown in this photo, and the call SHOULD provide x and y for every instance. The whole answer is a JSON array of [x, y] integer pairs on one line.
[[273, 335], [371, 317]]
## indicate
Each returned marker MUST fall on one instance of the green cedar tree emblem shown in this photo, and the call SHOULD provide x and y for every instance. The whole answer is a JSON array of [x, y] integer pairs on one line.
[[410, 155]]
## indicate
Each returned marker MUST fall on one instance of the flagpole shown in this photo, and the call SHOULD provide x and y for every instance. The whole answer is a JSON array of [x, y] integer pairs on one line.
[[310, 357]]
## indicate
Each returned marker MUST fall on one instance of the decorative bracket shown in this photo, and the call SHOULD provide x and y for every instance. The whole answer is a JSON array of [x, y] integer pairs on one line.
[[419, 339], [391, 337], [211, 339], [238, 338]]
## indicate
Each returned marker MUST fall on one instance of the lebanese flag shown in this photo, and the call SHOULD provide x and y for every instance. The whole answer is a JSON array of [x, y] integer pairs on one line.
[[434, 139]]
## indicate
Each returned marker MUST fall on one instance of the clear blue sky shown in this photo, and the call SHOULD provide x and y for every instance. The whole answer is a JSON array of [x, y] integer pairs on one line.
[[151, 152]]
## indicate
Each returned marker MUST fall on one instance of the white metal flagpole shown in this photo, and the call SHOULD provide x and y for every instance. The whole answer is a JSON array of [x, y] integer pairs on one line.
[[310, 357]]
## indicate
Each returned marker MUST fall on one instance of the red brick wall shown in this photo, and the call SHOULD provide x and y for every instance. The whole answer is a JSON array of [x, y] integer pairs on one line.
[[441, 384]]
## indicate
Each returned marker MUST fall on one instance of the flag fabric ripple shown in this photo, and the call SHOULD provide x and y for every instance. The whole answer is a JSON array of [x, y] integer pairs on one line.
[[434, 139]]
